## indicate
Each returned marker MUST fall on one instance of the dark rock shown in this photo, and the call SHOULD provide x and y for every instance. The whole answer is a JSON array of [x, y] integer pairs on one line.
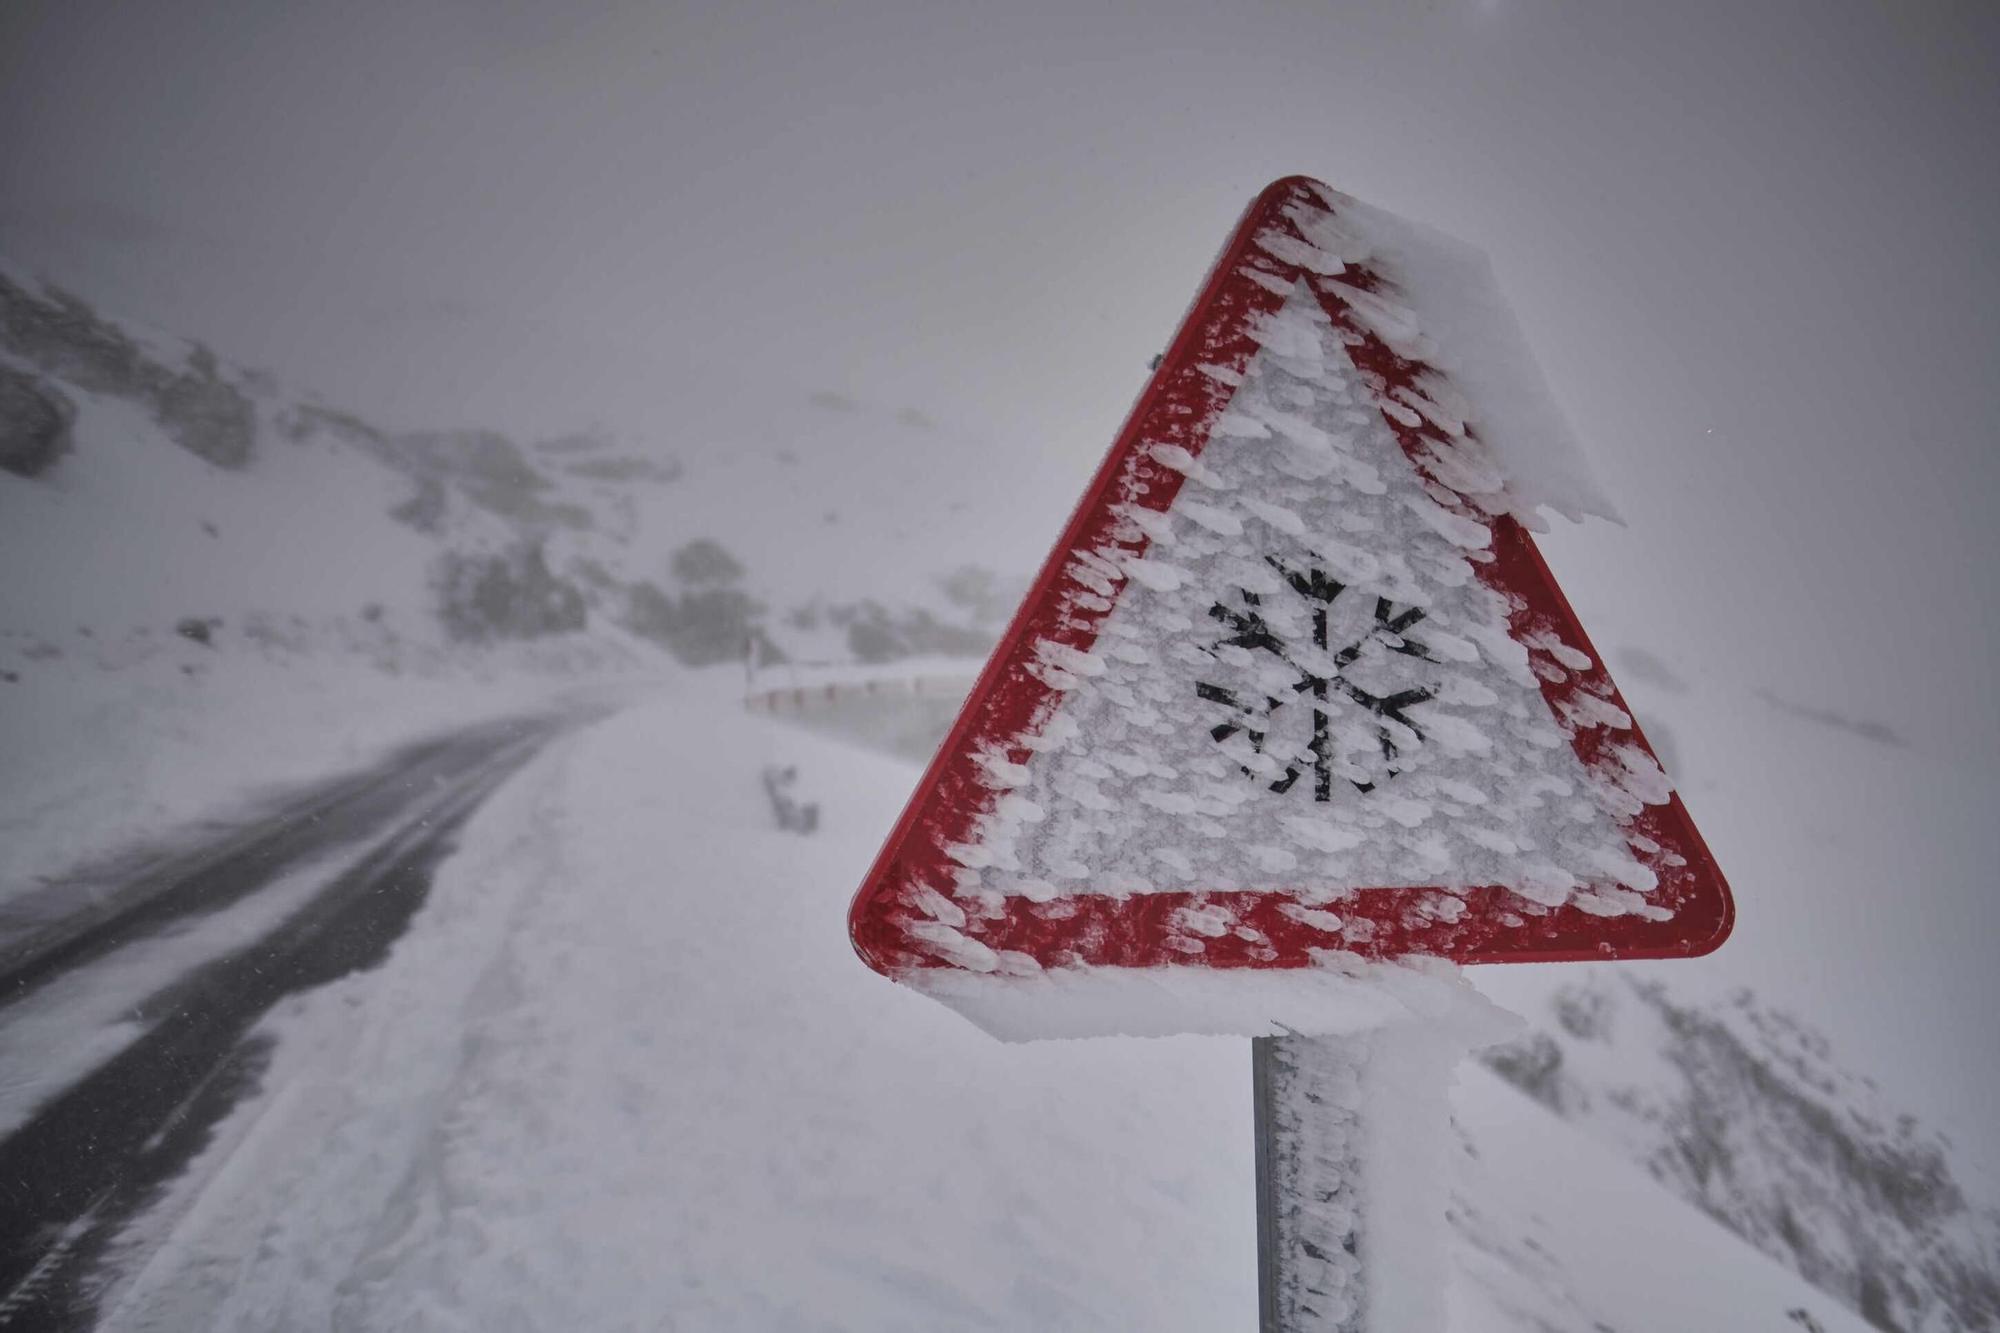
[[876, 635], [703, 562], [66, 338], [488, 469], [511, 595], [35, 420], [1741, 1110], [199, 409], [1533, 1065], [204, 413], [424, 510], [791, 814], [702, 626]]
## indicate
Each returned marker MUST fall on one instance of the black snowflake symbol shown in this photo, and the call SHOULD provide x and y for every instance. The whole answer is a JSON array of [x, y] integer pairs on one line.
[[1321, 674]]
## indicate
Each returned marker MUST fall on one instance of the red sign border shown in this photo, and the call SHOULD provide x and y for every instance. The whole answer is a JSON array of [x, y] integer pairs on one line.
[[1178, 406]]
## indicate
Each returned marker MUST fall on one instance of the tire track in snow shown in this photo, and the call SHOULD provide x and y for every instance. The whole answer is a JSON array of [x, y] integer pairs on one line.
[[96, 1154], [45, 935]]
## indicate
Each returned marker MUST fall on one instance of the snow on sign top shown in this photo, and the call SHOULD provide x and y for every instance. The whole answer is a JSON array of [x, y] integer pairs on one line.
[[1294, 685]]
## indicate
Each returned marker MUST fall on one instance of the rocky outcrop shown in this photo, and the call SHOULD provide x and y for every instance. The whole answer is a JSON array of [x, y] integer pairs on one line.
[[483, 468], [203, 413], [199, 409], [711, 619], [705, 563], [523, 541], [35, 418], [1742, 1111], [490, 470], [510, 595]]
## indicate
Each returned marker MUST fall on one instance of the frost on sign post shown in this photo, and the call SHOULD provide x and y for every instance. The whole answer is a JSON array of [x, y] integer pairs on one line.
[[1293, 721]]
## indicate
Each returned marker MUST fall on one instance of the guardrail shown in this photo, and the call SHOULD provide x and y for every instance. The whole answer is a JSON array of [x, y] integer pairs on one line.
[[802, 696]]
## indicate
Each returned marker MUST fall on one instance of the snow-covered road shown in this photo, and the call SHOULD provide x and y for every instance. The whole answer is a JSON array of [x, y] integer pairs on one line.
[[624, 1072], [125, 1024]]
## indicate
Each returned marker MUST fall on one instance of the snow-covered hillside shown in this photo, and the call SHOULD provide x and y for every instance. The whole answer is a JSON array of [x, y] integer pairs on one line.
[[1745, 1112], [213, 585]]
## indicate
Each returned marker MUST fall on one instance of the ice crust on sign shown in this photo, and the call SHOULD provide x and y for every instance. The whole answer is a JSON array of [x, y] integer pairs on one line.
[[1462, 326], [1343, 995], [1303, 684]]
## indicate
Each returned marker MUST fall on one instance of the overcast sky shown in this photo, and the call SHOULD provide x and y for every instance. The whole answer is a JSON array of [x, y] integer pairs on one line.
[[1751, 243]]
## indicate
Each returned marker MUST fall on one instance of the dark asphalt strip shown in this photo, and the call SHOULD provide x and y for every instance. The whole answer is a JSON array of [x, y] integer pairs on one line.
[[169, 886], [98, 1154]]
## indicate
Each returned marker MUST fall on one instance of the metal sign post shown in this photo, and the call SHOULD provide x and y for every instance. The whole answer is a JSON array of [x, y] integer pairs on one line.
[[1352, 1134], [1308, 1182]]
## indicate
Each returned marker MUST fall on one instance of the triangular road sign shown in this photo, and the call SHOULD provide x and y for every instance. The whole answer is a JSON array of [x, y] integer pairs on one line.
[[1295, 679]]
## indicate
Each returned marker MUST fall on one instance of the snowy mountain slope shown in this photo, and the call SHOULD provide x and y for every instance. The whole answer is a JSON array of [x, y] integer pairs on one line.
[[328, 513], [1743, 1112], [1879, 1189], [1853, 852], [1855, 845], [212, 585], [1557, 1232], [622, 1074]]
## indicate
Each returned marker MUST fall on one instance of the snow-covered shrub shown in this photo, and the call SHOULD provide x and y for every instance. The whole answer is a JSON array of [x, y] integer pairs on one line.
[[1742, 1111], [705, 563], [511, 595], [874, 634], [700, 627], [988, 598]]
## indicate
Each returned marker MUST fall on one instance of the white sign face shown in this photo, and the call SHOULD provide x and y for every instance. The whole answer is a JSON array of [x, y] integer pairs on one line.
[[1303, 681]]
